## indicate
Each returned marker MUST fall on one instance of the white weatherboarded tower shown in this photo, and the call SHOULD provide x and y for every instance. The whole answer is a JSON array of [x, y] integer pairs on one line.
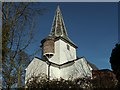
[[59, 58]]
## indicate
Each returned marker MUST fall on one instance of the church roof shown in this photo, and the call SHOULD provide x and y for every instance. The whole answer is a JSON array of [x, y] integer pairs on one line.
[[93, 66], [58, 27]]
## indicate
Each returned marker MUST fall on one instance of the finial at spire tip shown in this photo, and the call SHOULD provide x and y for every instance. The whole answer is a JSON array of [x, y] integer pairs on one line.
[[58, 7]]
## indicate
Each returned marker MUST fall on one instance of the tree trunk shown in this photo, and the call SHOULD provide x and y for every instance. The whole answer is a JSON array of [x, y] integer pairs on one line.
[[19, 77]]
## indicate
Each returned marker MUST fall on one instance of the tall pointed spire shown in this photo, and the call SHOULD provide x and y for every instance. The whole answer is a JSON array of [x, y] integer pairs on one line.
[[58, 26]]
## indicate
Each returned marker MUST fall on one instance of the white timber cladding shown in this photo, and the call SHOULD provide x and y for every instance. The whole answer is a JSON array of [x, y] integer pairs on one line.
[[76, 69], [55, 73], [35, 68], [62, 54]]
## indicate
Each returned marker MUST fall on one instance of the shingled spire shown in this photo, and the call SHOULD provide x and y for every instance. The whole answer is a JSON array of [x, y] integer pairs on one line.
[[58, 26]]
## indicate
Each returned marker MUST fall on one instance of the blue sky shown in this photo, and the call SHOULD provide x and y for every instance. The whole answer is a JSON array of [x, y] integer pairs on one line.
[[93, 27]]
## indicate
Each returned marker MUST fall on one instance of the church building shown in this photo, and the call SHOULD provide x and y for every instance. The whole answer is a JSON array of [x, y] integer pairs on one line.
[[59, 59]]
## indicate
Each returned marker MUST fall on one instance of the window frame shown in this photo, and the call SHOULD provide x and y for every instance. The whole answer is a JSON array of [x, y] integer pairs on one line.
[[68, 47]]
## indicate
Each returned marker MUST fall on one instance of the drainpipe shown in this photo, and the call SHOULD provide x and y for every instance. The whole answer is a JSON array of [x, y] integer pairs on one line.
[[49, 63], [49, 71]]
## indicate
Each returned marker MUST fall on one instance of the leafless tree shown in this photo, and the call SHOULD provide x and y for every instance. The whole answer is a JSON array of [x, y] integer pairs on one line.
[[17, 34]]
